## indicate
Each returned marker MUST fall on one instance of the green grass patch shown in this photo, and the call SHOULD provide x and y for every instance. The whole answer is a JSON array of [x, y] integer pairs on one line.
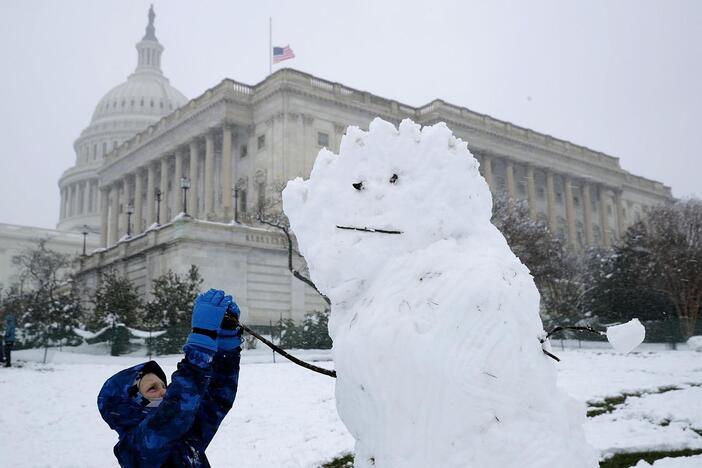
[[620, 460], [627, 460], [342, 462], [610, 403]]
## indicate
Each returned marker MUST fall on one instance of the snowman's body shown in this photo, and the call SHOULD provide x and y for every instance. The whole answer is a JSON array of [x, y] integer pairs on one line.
[[434, 320]]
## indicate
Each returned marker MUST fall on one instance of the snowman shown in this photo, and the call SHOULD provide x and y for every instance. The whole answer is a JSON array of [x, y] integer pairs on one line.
[[435, 322]]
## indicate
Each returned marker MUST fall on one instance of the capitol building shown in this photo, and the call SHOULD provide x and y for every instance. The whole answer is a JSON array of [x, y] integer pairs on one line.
[[150, 154]]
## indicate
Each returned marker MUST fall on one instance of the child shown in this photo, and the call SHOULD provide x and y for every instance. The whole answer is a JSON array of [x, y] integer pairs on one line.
[[163, 425]]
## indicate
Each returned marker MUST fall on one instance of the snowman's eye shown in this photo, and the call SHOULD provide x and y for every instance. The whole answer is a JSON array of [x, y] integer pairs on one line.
[[393, 179], [358, 186]]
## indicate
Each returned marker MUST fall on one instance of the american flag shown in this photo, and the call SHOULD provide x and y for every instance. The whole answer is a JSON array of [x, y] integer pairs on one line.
[[282, 53]]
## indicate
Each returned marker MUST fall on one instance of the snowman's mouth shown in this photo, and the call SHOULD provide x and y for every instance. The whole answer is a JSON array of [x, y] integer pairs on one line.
[[367, 229]]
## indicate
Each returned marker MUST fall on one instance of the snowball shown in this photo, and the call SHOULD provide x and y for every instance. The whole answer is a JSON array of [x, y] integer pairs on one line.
[[627, 336], [695, 343], [435, 321]]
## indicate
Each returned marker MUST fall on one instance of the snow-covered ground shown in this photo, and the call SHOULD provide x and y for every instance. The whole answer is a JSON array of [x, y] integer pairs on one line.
[[285, 416]]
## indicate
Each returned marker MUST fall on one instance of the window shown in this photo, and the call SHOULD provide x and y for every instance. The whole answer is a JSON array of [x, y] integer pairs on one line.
[[609, 210], [559, 198], [244, 151], [576, 201], [261, 142], [104, 148], [322, 139], [580, 234], [540, 193], [261, 196], [242, 200], [522, 188]]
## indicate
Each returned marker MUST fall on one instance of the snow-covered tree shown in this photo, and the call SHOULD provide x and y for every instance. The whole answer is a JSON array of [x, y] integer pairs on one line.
[[117, 306], [658, 265], [46, 307], [557, 271], [171, 308], [312, 333]]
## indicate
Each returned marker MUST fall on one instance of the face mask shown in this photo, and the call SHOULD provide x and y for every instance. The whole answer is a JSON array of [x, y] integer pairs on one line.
[[154, 402]]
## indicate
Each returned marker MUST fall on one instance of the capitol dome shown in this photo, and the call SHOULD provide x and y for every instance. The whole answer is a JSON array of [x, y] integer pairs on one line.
[[144, 96], [124, 111]]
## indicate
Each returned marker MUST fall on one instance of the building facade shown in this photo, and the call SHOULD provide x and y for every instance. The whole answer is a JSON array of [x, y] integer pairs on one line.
[[125, 110], [248, 141], [16, 240], [149, 156]]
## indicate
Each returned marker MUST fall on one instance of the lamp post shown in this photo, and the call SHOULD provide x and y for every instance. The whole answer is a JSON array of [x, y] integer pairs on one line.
[[235, 192], [157, 194], [130, 212], [84, 231], [185, 185]]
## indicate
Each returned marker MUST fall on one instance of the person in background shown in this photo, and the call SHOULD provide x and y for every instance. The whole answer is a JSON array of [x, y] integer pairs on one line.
[[161, 424], [9, 338], [2, 346]]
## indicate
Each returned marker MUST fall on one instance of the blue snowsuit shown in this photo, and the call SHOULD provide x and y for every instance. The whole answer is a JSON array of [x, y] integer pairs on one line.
[[177, 432]]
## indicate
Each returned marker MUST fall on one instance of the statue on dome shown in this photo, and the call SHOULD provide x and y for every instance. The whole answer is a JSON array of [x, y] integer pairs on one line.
[[150, 29]]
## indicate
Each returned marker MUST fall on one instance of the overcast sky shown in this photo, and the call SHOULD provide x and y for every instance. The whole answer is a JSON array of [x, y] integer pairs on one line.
[[623, 77]]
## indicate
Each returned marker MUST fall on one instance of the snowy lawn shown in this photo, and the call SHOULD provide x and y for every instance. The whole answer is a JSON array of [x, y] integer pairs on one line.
[[285, 416]]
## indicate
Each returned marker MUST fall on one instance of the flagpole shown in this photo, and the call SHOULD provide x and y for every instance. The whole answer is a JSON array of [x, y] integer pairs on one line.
[[270, 45]]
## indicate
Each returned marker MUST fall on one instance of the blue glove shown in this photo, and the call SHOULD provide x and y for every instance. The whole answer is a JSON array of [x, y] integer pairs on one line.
[[208, 311], [230, 339]]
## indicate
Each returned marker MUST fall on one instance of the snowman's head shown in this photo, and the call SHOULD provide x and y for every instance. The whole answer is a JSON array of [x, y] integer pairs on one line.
[[388, 193]]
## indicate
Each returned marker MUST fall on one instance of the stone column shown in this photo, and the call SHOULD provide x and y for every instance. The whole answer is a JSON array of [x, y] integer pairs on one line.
[[104, 194], [114, 213], [69, 206], [79, 198], [62, 204], [163, 215], [487, 160], [124, 203], [89, 205], [621, 226], [84, 197], [96, 201], [551, 199], [74, 199], [192, 199], [570, 212], [226, 177], [587, 210], [209, 175], [511, 192], [68, 201], [604, 220], [176, 200], [150, 188], [531, 191], [138, 204], [129, 191]]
